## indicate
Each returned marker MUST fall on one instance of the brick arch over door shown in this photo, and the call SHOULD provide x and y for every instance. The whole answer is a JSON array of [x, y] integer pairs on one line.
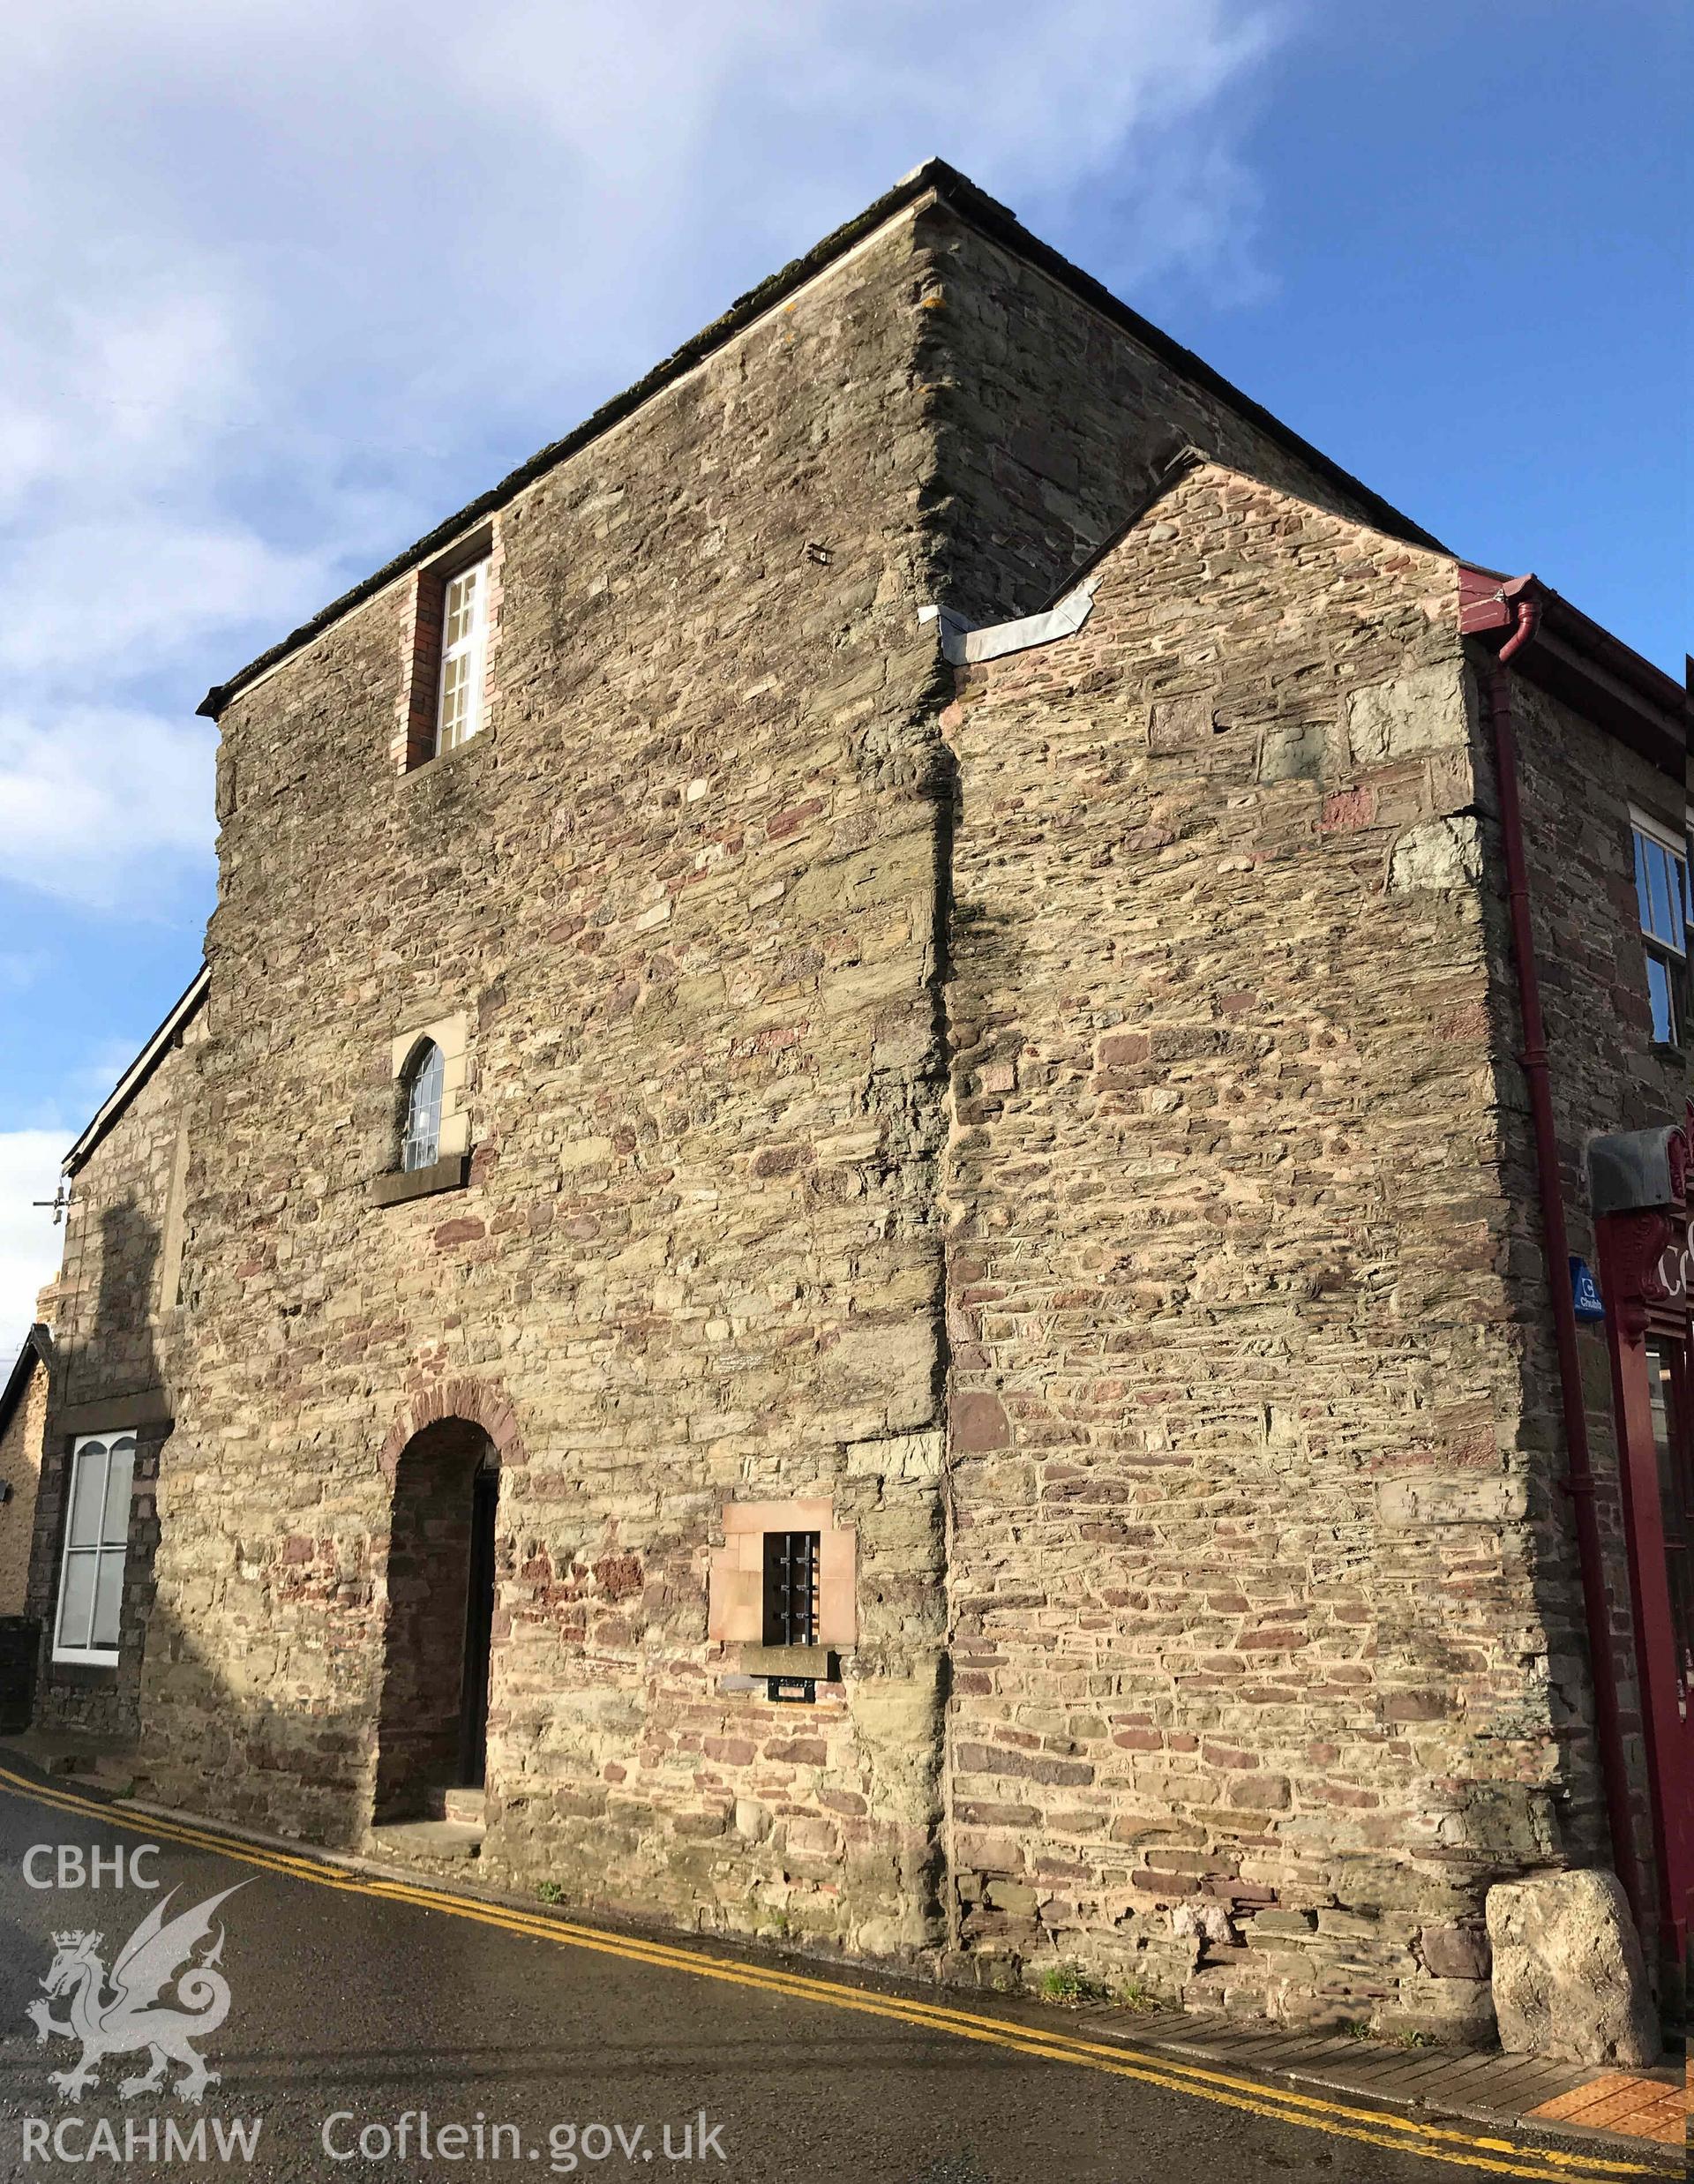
[[486, 1406]]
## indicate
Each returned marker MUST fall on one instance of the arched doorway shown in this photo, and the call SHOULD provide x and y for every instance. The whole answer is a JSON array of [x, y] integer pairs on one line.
[[432, 1722]]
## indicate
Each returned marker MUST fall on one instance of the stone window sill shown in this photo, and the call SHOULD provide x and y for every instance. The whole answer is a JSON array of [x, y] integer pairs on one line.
[[82, 1675], [821, 1662], [436, 763], [400, 1184]]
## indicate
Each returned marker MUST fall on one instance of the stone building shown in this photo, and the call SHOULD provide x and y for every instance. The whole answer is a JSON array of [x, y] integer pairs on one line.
[[22, 1423], [858, 1232]]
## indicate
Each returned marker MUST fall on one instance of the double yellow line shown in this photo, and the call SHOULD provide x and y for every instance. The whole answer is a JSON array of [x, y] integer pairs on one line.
[[1368, 2127]]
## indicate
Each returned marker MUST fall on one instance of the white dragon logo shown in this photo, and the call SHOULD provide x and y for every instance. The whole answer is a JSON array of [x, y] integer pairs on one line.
[[154, 1955]]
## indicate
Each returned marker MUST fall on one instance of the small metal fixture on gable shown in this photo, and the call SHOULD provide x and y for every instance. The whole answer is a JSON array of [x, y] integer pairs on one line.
[[815, 553], [60, 1199]]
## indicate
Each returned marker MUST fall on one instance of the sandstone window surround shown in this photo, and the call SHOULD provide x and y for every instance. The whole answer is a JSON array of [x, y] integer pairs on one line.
[[764, 1585], [1663, 895], [431, 1148], [447, 681], [85, 1624]]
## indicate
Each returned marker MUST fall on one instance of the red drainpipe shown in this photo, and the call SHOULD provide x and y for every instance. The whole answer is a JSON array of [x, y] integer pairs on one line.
[[1523, 597]]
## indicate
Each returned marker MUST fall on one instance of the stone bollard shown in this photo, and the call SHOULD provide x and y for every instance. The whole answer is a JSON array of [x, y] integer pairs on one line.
[[1568, 1976]]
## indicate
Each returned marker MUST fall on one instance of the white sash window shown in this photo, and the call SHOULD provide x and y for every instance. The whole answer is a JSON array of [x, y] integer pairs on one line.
[[96, 1543], [1661, 892], [464, 656]]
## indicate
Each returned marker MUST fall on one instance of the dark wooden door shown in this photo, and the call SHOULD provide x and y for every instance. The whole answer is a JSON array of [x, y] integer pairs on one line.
[[479, 1624]]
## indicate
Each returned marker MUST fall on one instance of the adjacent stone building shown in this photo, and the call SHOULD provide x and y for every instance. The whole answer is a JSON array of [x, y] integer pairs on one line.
[[859, 1233], [112, 1384], [22, 1423]]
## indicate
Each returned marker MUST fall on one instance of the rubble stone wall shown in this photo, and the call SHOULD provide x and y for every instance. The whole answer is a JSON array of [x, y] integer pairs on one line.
[[1053, 423], [683, 887], [1250, 1690]]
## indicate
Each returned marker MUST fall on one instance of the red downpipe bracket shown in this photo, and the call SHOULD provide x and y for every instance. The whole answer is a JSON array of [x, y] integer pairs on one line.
[[1578, 1481]]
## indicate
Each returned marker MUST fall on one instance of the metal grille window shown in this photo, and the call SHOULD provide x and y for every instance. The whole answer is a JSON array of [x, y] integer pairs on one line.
[[96, 1542], [420, 1138], [1661, 891], [791, 1588]]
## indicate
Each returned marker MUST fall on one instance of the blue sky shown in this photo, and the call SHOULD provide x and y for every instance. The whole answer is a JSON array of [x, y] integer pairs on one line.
[[281, 285]]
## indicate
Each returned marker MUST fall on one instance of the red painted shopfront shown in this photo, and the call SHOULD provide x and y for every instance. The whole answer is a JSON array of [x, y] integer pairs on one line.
[[1641, 1183]]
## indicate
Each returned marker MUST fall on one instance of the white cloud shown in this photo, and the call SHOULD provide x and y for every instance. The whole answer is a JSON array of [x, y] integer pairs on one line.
[[81, 790], [114, 594], [283, 282], [29, 1242]]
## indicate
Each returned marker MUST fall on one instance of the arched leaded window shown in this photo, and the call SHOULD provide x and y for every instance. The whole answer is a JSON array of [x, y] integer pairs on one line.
[[420, 1127]]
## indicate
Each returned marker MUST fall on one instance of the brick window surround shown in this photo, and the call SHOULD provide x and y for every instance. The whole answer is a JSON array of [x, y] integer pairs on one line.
[[735, 1587], [414, 738]]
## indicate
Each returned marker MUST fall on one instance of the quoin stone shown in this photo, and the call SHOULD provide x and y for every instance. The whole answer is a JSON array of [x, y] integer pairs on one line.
[[1568, 1978]]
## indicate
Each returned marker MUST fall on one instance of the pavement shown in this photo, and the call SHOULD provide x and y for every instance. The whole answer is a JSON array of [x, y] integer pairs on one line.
[[360, 2023]]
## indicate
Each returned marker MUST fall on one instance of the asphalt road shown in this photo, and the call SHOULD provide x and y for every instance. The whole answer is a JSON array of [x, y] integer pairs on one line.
[[350, 2009]]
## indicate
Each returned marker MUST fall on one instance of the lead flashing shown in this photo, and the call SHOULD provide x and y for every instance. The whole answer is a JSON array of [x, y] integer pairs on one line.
[[964, 646]]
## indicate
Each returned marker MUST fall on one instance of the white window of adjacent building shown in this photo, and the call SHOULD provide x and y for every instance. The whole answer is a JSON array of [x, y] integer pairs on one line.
[[464, 656], [1661, 891], [96, 1543]]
